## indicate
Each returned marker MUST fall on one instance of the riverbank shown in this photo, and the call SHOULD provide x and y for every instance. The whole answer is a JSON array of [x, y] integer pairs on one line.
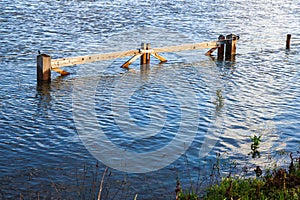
[[278, 183]]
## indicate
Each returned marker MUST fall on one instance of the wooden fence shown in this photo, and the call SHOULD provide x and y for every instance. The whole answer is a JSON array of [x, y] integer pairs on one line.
[[224, 45]]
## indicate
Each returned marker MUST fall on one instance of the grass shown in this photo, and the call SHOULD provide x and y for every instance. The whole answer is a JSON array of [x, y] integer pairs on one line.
[[280, 185], [277, 184]]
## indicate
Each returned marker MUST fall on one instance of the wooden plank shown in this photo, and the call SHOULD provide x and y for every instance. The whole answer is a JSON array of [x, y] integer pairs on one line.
[[159, 57], [131, 60], [147, 51], [211, 51], [187, 47], [62, 62], [62, 72]]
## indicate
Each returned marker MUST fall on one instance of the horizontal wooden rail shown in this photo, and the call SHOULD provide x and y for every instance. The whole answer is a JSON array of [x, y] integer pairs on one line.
[[187, 47], [63, 62]]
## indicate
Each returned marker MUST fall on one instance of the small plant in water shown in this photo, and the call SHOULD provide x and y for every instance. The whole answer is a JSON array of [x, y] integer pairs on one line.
[[219, 100], [255, 146], [184, 195], [188, 196]]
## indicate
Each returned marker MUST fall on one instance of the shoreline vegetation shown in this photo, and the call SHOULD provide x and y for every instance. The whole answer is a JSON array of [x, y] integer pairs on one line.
[[277, 183]]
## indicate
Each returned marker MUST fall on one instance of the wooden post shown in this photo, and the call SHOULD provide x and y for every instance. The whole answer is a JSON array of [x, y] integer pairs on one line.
[[148, 54], [288, 41], [43, 68], [234, 41], [221, 48], [145, 59], [144, 56], [230, 47]]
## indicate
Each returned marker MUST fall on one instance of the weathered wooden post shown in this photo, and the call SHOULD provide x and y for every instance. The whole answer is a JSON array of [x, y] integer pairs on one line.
[[144, 56], [288, 41], [145, 60], [148, 55], [221, 48], [230, 47], [43, 68]]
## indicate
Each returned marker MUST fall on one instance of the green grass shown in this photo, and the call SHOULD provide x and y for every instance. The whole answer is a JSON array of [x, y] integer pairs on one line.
[[279, 184], [274, 187]]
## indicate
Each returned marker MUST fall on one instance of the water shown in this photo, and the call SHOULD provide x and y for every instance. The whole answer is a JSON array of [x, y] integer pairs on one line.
[[42, 153]]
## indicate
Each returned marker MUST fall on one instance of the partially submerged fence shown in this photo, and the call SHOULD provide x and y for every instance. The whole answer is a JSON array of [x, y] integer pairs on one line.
[[226, 46]]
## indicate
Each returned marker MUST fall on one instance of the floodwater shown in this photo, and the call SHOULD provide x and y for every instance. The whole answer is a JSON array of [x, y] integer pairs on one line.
[[152, 125]]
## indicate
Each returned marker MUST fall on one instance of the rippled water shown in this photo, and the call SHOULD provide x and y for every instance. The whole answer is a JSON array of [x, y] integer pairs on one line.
[[41, 150]]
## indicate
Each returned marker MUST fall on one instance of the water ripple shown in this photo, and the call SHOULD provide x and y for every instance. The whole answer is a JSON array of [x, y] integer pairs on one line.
[[39, 142]]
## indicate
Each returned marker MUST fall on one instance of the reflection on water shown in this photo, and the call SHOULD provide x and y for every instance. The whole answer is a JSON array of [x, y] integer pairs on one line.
[[256, 94], [145, 70], [43, 96]]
